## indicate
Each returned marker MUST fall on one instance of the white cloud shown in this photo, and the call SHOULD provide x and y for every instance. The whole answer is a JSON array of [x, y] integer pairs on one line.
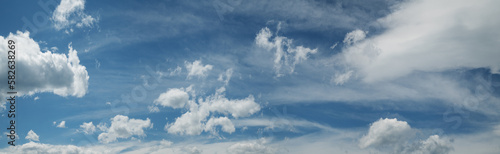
[[194, 121], [36, 98], [398, 135], [286, 55], [386, 132], [435, 145], [224, 122], [226, 76], [44, 71], [441, 38], [175, 98], [251, 147], [62, 124], [32, 147], [123, 127], [197, 69], [88, 127], [70, 12], [32, 136]]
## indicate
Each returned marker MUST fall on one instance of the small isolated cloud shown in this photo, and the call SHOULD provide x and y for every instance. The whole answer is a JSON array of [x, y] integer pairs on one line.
[[88, 128], [36, 98], [32, 136], [174, 98], [69, 13], [286, 54], [226, 76], [197, 69], [124, 127], [62, 124]]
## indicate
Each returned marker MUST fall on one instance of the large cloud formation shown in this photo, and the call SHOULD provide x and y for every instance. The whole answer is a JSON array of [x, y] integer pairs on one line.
[[460, 35], [38, 71]]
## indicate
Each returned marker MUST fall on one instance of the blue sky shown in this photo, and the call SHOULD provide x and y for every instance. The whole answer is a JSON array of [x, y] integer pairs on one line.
[[233, 76]]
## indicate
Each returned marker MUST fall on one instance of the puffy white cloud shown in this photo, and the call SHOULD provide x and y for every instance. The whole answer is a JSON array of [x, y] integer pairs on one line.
[[32, 136], [123, 127], [175, 98], [386, 132], [441, 38], [44, 71], [391, 133], [88, 127], [194, 121], [197, 69], [286, 54], [251, 147], [62, 124], [435, 145], [70, 12]]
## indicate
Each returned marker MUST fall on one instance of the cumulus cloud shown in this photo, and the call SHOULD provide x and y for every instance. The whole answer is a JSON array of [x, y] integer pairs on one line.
[[62, 124], [32, 136], [398, 135], [286, 54], [386, 132], [197, 69], [88, 127], [194, 122], [441, 38], [123, 127], [174, 98], [70, 12], [44, 71]]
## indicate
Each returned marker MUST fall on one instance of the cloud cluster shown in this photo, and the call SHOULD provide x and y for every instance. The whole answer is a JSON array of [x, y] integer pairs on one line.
[[44, 71], [286, 54], [194, 122], [398, 135], [124, 127], [70, 12], [442, 38]]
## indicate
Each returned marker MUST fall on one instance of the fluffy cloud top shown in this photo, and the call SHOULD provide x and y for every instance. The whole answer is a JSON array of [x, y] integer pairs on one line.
[[398, 135], [123, 127], [286, 55], [32, 136], [44, 71], [70, 12], [459, 35], [386, 132], [88, 127], [196, 69], [175, 98]]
